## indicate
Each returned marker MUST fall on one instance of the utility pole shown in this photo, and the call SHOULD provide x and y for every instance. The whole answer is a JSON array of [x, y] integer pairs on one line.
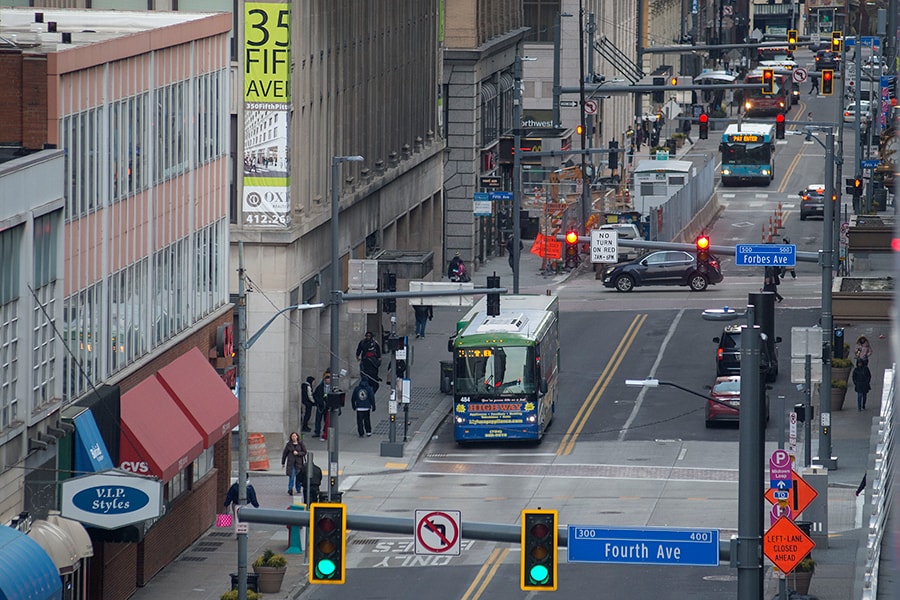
[[517, 166], [242, 420], [585, 179], [825, 457], [335, 345]]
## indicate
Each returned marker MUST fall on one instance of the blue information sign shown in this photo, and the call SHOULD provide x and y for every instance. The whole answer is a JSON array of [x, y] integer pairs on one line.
[[765, 255], [501, 195], [869, 163], [644, 545]]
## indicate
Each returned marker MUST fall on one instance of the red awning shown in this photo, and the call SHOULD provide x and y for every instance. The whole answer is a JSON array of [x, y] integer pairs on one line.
[[156, 436], [202, 394]]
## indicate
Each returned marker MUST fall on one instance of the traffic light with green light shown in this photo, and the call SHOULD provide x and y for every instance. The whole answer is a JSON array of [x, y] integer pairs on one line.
[[328, 542], [837, 42], [792, 39], [768, 81], [539, 541], [827, 82]]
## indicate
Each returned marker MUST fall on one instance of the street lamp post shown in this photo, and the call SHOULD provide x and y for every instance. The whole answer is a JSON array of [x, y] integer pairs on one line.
[[244, 344], [334, 364]]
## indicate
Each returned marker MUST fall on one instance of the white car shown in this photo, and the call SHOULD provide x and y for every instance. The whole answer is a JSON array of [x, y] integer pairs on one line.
[[850, 112]]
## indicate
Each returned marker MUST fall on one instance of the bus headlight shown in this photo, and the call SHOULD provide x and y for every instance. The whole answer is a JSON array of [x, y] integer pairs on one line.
[[726, 171], [460, 420], [532, 418], [748, 105], [766, 172]]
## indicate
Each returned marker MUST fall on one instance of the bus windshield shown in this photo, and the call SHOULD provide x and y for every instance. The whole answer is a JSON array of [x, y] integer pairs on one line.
[[746, 154], [498, 370]]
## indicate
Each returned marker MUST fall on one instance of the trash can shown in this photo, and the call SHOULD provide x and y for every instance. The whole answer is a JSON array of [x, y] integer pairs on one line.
[[446, 376], [252, 582]]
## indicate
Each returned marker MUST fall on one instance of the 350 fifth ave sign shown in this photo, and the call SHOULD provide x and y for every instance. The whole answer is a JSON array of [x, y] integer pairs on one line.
[[111, 499]]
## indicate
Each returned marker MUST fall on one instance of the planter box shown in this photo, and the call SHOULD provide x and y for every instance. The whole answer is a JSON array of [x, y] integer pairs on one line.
[[862, 298]]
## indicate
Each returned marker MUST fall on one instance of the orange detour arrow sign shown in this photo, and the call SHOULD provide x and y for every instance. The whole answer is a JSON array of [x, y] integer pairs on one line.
[[786, 545], [799, 495]]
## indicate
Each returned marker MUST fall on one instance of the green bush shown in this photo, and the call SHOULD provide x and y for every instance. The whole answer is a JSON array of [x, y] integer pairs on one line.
[[233, 595], [806, 565], [270, 559], [839, 383], [841, 363]]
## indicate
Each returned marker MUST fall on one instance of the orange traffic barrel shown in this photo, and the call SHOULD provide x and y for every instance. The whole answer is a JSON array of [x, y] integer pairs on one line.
[[259, 458]]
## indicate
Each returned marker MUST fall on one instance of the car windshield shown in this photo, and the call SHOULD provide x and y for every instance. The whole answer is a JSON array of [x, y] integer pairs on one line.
[[728, 386], [499, 370]]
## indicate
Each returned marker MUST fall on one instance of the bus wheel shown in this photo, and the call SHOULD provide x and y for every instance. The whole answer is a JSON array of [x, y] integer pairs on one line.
[[698, 282]]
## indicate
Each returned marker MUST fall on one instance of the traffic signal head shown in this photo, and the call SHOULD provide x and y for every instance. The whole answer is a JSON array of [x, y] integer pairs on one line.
[[837, 41], [389, 305], [792, 38], [673, 81], [613, 162], [328, 541], [779, 127], [571, 249], [768, 81], [702, 244], [571, 237], [539, 541], [704, 126], [827, 82], [493, 299], [579, 130]]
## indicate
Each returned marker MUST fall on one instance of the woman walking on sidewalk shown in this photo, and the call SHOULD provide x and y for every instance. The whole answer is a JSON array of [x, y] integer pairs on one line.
[[292, 458]]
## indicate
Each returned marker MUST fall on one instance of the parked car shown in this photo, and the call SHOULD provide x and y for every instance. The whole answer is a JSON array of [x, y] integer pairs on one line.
[[626, 231], [812, 201], [727, 390], [663, 267], [728, 353], [864, 108]]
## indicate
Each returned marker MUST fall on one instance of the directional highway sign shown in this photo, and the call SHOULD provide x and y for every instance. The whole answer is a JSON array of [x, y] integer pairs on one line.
[[799, 495], [644, 545], [765, 255]]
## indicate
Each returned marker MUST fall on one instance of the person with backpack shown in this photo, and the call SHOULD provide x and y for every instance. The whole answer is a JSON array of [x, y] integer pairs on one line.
[[368, 353], [320, 394], [456, 270]]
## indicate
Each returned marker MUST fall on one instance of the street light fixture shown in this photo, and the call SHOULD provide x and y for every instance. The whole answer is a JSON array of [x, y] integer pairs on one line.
[[334, 366], [245, 342]]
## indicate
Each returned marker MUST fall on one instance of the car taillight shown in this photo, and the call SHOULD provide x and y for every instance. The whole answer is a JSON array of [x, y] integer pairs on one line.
[[719, 354], [714, 263]]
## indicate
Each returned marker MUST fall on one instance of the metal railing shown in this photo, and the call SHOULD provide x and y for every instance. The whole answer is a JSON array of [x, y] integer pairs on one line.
[[671, 217]]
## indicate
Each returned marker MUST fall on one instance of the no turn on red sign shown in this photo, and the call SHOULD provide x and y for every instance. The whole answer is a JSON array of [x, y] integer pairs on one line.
[[437, 532]]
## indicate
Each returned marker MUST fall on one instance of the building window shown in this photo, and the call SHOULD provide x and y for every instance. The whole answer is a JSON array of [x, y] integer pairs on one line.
[[82, 334], [10, 258], [46, 236], [490, 113], [541, 15]]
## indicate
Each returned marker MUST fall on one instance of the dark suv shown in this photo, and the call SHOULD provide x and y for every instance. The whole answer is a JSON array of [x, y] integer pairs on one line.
[[728, 354], [826, 59], [664, 267], [812, 201]]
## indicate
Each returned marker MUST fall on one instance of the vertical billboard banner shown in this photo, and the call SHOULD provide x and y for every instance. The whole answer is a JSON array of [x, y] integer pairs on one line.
[[267, 102]]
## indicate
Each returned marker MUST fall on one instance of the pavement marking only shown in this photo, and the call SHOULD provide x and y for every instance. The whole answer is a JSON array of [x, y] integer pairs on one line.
[[437, 532]]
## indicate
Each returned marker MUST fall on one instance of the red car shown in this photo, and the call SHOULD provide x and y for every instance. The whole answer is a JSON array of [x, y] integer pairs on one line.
[[727, 390]]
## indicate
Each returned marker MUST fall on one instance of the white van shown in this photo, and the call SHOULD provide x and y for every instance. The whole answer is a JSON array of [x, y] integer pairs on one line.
[[626, 231]]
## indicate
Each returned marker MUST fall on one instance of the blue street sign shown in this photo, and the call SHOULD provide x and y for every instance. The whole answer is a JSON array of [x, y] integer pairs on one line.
[[643, 545], [765, 255], [867, 40], [869, 163], [501, 195]]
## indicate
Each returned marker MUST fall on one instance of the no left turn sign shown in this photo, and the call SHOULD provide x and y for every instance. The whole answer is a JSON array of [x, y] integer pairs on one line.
[[800, 74], [590, 107], [437, 532]]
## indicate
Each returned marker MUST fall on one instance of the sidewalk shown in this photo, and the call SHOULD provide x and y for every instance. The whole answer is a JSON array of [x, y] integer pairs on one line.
[[202, 571]]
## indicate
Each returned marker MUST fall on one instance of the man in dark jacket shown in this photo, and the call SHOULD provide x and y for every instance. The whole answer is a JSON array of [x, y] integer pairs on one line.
[[306, 403], [363, 402], [319, 395], [368, 353], [424, 313], [232, 497], [314, 483]]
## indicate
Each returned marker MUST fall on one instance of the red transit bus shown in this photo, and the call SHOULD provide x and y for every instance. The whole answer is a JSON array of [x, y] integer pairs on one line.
[[757, 104]]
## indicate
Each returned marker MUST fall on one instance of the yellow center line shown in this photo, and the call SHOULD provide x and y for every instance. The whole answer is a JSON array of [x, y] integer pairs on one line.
[[485, 574], [789, 172], [581, 418]]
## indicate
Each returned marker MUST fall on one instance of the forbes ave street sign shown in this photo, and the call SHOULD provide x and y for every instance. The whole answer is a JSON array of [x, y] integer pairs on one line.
[[644, 545], [765, 255]]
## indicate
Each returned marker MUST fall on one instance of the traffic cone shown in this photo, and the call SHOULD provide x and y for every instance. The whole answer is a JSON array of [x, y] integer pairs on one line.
[[259, 458], [779, 217]]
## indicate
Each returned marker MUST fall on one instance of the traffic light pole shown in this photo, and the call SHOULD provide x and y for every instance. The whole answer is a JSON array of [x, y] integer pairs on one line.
[[517, 169]]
